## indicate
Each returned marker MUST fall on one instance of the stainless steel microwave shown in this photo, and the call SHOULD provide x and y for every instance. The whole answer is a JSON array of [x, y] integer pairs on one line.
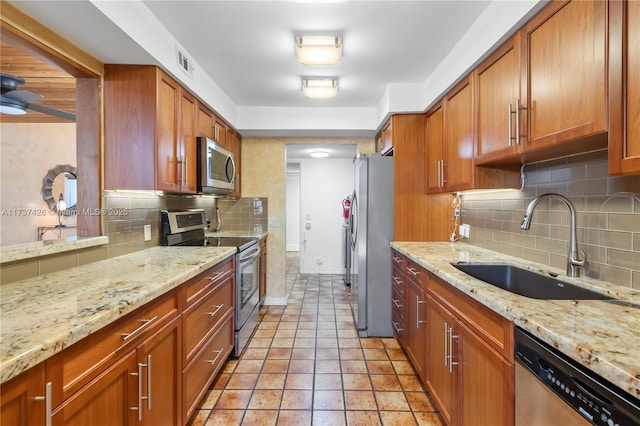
[[216, 168]]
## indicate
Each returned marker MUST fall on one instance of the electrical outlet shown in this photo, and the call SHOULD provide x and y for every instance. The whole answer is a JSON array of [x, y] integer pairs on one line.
[[464, 230], [147, 232]]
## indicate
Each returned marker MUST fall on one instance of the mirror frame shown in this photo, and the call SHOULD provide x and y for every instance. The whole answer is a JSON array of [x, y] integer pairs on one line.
[[47, 183]]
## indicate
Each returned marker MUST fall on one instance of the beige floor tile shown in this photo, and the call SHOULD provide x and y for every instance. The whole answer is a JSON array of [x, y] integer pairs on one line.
[[354, 367], [259, 343], [396, 354], [324, 366], [210, 399], [221, 381], [301, 366], [385, 382], [293, 399], [306, 334], [397, 418], [410, 383], [371, 343], [428, 419], [225, 418], [275, 366], [242, 381], [255, 353], [285, 333], [327, 353], [328, 418], [294, 418], [363, 418], [303, 353], [328, 400], [403, 367], [354, 353], [327, 334], [360, 400], [233, 400], [199, 418], [265, 399], [304, 342], [299, 381], [287, 326], [260, 418], [418, 401], [230, 366], [345, 342], [328, 381], [356, 382], [283, 343], [271, 381], [380, 367], [249, 366], [264, 333], [271, 317], [375, 354], [279, 353], [348, 334], [392, 401]]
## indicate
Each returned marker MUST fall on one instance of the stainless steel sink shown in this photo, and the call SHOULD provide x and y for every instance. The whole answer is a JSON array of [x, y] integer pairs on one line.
[[527, 283]]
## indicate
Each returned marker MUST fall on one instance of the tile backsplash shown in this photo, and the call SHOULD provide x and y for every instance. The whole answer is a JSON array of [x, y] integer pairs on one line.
[[608, 218]]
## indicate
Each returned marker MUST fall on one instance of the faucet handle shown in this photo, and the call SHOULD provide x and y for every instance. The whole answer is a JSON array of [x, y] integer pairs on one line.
[[577, 261]]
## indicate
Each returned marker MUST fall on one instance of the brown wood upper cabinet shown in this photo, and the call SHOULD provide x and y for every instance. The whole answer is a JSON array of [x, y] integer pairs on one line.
[[543, 93], [205, 121], [624, 87], [449, 153], [149, 131], [384, 142], [564, 80]]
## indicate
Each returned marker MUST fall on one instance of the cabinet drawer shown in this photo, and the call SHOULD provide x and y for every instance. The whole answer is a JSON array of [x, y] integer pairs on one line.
[[200, 285], [490, 326], [399, 329], [199, 319], [416, 273], [199, 374], [397, 259], [74, 367], [397, 301], [397, 281]]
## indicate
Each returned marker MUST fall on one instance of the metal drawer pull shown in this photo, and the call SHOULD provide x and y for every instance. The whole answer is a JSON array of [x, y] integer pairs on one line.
[[397, 259], [446, 332], [395, 302], [413, 271], [127, 336], [213, 361], [140, 396], [395, 325], [148, 382], [218, 307], [397, 280], [215, 276], [47, 403], [509, 129]]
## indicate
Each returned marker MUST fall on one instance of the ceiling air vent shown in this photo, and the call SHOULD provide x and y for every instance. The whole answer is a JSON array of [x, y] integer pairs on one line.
[[184, 62]]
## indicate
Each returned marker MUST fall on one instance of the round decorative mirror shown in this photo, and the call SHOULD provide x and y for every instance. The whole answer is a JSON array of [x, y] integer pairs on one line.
[[60, 184]]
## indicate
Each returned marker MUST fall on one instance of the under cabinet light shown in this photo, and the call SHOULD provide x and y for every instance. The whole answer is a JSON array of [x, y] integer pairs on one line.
[[324, 88], [319, 50], [319, 154]]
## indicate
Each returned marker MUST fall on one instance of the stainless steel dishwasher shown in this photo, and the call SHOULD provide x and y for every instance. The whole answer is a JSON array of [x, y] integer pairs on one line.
[[552, 389]]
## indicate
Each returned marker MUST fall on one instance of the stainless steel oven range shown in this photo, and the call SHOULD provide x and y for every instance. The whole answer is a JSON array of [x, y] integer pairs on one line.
[[186, 228]]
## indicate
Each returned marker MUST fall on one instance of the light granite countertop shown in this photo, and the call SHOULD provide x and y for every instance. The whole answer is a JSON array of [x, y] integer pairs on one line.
[[45, 248], [41, 316], [603, 337]]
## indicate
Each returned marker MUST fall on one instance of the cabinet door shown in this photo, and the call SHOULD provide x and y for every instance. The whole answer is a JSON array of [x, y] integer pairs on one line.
[[188, 156], [205, 121], [18, 405], [624, 87], [441, 377], [458, 125], [481, 404], [220, 132], [160, 366], [167, 125], [385, 142], [434, 153], [498, 91], [109, 399], [564, 73], [416, 323]]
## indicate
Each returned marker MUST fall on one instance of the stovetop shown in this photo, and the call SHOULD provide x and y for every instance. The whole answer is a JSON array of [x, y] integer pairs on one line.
[[241, 243]]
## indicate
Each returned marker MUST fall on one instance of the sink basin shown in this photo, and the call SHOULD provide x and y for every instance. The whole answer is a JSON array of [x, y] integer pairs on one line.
[[527, 283]]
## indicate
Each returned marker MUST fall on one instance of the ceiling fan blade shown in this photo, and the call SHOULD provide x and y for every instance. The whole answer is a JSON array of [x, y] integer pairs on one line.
[[52, 111], [26, 96]]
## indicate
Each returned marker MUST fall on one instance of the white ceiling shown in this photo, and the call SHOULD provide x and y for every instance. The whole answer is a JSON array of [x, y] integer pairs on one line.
[[395, 52]]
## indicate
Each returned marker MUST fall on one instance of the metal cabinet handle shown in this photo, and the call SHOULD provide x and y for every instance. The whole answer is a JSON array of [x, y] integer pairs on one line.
[[439, 177], [146, 323], [395, 325], [397, 280], [451, 361], [218, 307], [413, 271], [518, 134], [213, 361], [141, 397], [509, 127], [442, 173], [47, 403], [418, 320], [215, 276], [397, 259], [395, 302]]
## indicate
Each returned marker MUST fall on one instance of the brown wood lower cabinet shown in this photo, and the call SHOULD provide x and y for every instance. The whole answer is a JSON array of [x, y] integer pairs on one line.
[[461, 349], [150, 367]]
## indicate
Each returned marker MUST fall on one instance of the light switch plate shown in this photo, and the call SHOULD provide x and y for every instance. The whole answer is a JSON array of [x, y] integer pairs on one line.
[[147, 232]]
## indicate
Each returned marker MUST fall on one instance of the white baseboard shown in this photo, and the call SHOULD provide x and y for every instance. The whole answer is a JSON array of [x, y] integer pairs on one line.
[[275, 301]]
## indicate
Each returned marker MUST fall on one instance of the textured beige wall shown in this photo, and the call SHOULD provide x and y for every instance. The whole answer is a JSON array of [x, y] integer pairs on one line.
[[264, 175], [27, 152]]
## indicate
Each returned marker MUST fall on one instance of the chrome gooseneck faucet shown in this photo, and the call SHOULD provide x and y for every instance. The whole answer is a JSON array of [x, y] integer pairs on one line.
[[573, 260]]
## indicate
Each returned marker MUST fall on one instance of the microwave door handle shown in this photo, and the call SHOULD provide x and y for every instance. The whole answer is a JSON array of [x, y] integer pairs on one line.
[[233, 168]]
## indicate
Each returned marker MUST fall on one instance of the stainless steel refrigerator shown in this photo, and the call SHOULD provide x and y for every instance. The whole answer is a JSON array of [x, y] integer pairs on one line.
[[371, 231]]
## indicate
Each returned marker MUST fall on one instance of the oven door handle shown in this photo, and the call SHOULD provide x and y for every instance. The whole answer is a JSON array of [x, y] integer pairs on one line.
[[249, 255]]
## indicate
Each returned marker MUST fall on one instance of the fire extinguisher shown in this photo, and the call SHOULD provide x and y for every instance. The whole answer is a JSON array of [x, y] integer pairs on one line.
[[346, 207]]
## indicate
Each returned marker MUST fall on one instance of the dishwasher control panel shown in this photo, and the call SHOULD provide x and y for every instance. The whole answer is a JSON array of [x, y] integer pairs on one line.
[[597, 400]]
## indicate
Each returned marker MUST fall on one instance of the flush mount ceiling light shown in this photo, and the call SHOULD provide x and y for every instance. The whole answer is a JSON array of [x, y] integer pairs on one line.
[[319, 153], [11, 106], [323, 88], [319, 50]]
